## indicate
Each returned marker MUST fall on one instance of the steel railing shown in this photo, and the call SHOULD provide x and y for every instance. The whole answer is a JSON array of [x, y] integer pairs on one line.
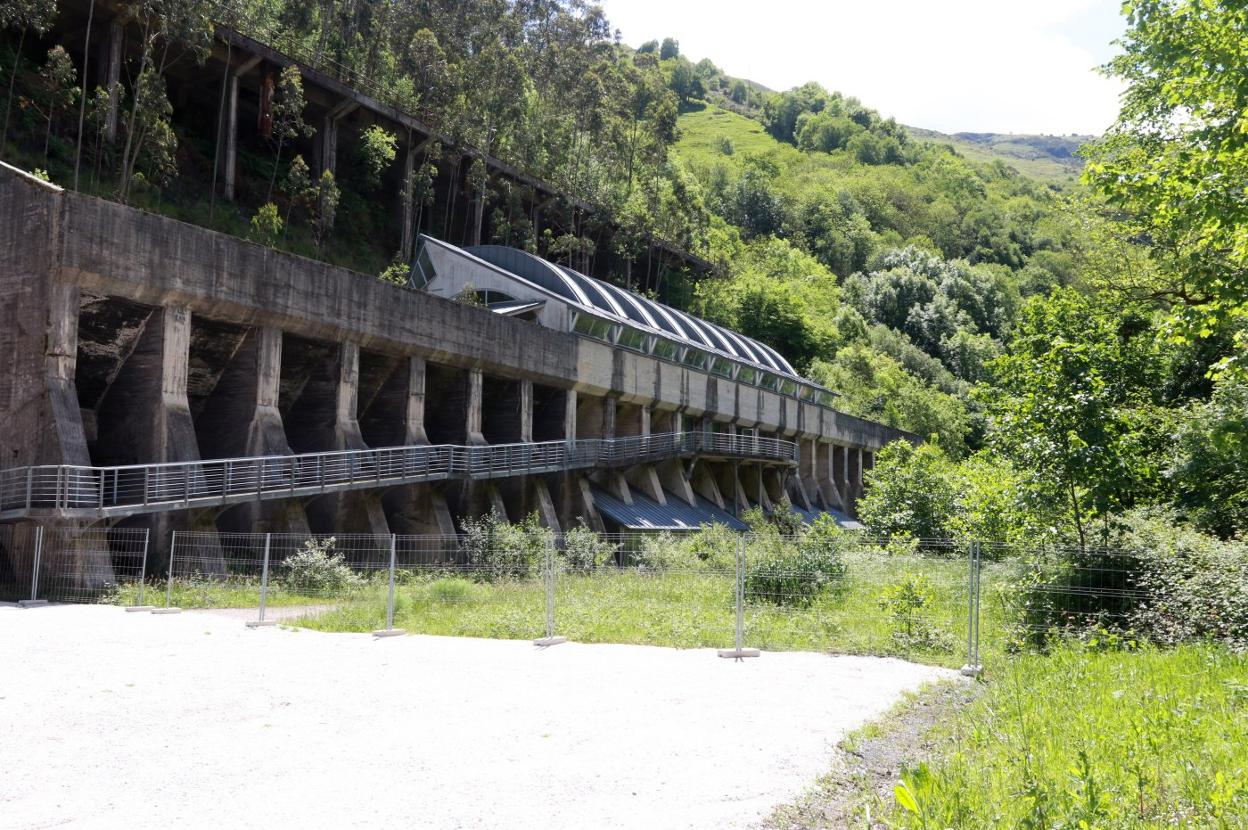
[[70, 491]]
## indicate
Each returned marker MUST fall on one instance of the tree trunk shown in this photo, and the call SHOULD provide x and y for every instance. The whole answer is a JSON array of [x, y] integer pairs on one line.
[[216, 150], [82, 101], [8, 104], [1078, 516]]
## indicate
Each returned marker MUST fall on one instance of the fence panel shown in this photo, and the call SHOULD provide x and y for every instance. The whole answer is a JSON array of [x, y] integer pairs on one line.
[[102, 565], [1058, 591], [653, 589], [486, 584], [850, 593]]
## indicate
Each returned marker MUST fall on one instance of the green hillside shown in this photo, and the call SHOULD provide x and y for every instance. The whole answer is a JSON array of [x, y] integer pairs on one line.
[[1049, 158]]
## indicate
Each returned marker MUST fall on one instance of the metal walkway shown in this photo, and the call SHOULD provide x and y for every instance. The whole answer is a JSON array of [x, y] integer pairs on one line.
[[71, 492]]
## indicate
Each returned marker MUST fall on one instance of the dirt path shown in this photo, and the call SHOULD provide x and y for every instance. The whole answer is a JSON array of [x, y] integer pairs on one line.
[[111, 719]]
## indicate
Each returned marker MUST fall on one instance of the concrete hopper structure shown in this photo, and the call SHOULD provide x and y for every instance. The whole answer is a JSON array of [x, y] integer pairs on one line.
[[157, 374]]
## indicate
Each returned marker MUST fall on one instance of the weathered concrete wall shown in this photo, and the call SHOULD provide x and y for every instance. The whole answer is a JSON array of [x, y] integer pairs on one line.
[[39, 418]]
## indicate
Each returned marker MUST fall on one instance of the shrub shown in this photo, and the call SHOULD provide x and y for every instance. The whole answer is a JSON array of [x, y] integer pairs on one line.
[[711, 548], [1195, 586], [266, 225], [496, 549], [789, 573], [906, 602], [584, 551], [316, 569]]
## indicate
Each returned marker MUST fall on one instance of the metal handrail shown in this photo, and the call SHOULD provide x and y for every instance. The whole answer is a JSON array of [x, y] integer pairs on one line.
[[69, 490]]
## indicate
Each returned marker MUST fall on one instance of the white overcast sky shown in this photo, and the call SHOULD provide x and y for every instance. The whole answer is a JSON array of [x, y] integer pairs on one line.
[[1023, 66]]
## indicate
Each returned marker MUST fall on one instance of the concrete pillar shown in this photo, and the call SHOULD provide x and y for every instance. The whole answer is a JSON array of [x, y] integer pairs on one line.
[[610, 407], [472, 413], [242, 418], [145, 418], [702, 479], [855, 478], [569, 416], [230, 155], [328, 136], [526, 411], [358, 511], [416, 402], [231, 137], [589, 514], [672, 475]]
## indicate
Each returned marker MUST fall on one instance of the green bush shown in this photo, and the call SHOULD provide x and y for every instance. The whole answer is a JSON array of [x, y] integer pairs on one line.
[[712, 548], [1195, 586], [495, 549], [584, 551], [907, 602], [786, 572], [317, 570]]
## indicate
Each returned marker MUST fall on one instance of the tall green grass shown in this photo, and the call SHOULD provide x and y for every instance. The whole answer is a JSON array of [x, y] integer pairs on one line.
[[1090, 736]]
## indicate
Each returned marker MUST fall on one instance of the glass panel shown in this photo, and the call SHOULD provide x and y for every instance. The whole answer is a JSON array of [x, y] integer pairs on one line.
[[632, 339], [769, 381], [747, 375], [666, 349], [720, 366], [695, 358], [788, 387]]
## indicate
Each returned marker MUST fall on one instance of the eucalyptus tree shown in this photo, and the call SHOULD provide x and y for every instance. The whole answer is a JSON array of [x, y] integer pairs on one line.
[[23, 15]]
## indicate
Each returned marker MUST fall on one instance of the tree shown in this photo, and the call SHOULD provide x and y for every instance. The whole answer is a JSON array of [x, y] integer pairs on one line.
[[911, 492], [22, 15], [378, 148], [323, 199], [1175, 160], [1209, 472], [58, 89], [149, 135], [1071, 407], [670, 49], [149, 153], [288, 123], [297, 188]]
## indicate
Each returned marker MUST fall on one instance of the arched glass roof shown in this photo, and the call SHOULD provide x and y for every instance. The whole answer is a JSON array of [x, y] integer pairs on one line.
[[633, 309]]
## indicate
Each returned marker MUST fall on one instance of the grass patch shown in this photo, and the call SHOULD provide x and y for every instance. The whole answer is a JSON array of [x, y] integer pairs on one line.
[[1084, 737], [684, 609]]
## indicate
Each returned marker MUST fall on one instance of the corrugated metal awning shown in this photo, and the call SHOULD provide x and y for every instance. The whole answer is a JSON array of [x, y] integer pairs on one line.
[[647, 514], [809, 517]]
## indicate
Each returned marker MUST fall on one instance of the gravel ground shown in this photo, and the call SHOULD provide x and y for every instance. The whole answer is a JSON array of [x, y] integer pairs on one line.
[[109, 719]]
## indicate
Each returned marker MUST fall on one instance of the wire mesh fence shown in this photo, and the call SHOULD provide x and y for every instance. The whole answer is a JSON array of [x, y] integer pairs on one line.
[[818, 589], [70, 563]]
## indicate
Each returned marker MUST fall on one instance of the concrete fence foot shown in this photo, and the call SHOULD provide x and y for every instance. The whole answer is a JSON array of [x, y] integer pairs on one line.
[[738, 653], [971, 671], [389, 632], [550, 641], [130, 609], [166, 610], [31, 603], [261, 623]]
